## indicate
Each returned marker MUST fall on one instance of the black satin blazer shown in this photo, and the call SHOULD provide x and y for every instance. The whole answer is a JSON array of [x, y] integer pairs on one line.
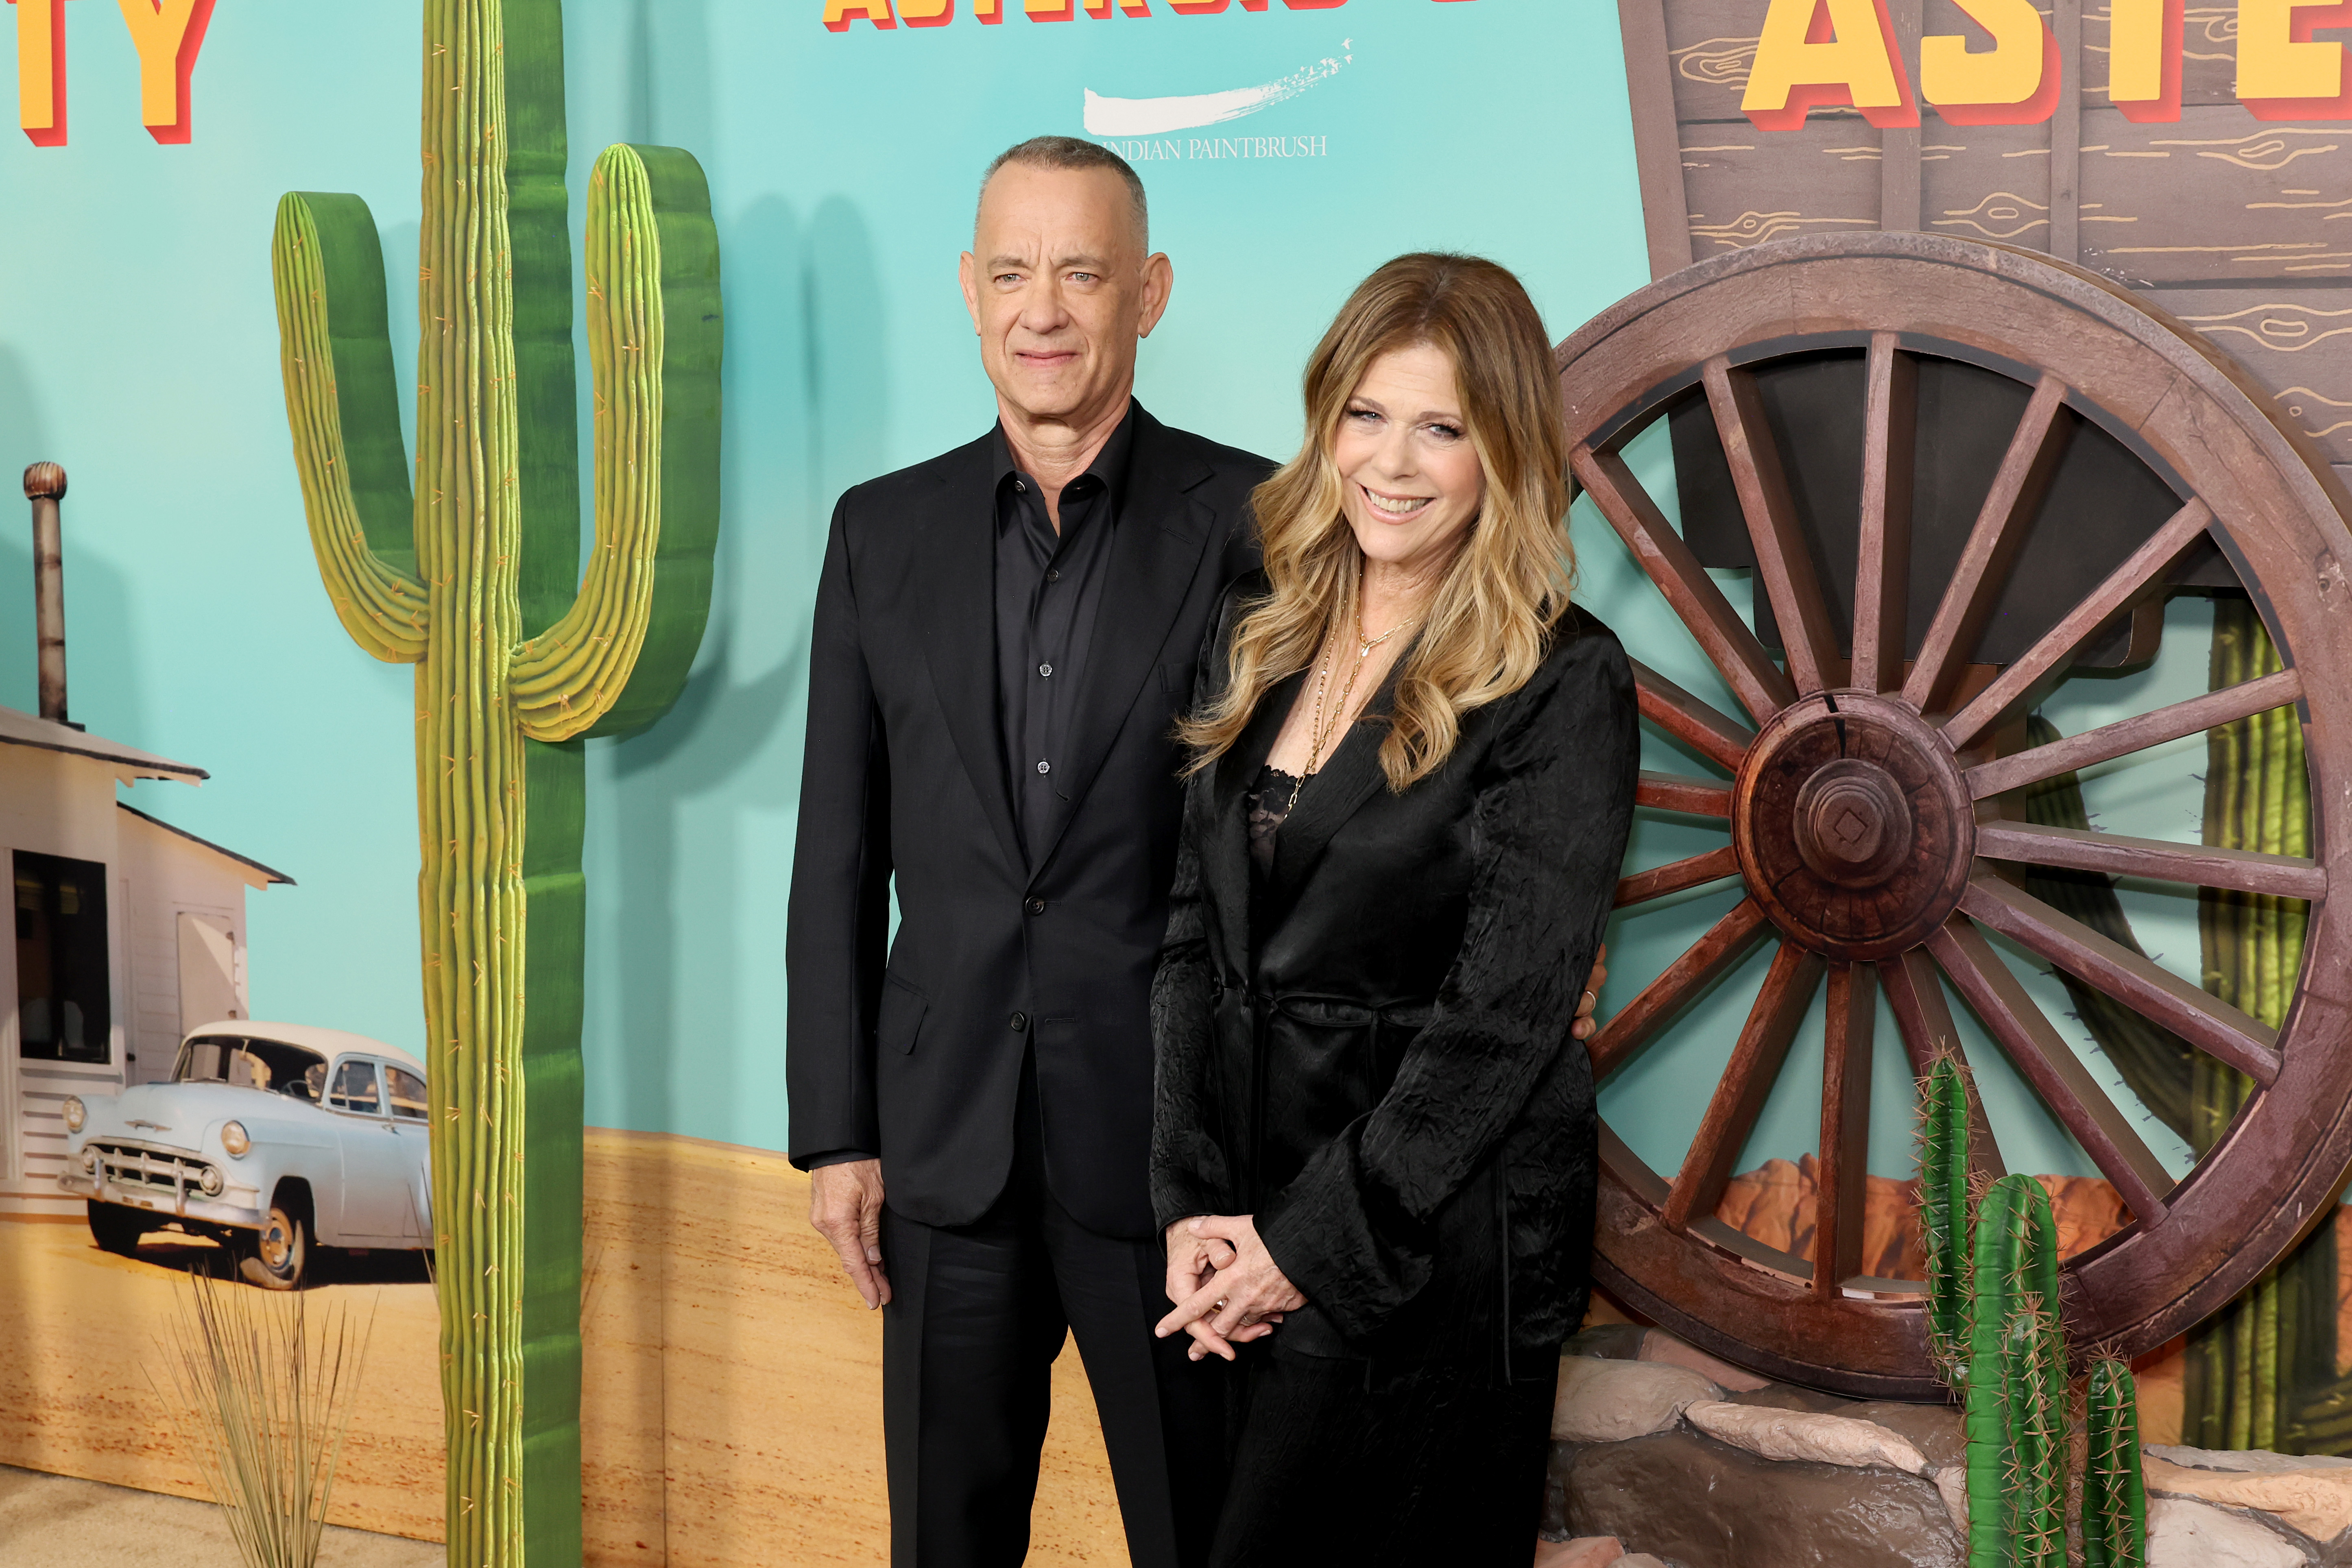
[[1370, 1050]]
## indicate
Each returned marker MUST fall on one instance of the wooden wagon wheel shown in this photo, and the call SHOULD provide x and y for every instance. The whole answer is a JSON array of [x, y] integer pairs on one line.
[[1863, 808]]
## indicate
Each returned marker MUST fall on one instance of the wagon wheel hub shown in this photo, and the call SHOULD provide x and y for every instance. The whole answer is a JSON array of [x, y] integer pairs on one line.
[[1853, 826]]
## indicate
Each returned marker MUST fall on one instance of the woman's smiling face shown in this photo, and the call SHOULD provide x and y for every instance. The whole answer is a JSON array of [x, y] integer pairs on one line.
[[1411, 482]]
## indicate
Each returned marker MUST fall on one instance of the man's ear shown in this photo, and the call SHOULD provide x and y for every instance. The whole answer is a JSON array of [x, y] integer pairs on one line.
[[1159, 283], [967, 273]]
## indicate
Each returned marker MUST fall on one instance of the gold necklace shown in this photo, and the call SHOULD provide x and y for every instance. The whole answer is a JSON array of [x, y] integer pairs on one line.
[[1317, 735]]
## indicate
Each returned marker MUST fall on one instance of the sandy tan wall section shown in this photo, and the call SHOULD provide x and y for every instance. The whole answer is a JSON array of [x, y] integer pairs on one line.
[[732, 1407], [734, 1381]]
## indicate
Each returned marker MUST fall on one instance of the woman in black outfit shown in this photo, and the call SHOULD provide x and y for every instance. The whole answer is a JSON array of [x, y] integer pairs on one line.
[[1414, 776]]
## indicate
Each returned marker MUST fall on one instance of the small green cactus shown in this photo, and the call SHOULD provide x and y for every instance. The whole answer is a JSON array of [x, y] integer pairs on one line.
[[475, 578], [1943, 1216], [1995, 1333], [2115, 1497]]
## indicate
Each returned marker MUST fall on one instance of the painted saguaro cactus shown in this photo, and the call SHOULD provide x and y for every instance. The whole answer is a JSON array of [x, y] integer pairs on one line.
[[475, 578]]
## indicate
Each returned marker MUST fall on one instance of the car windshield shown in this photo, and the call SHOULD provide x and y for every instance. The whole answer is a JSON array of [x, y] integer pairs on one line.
[[271, 1066]]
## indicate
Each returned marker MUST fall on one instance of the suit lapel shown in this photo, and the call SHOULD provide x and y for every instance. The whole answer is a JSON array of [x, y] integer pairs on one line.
[[959, 634], [1155, 554]]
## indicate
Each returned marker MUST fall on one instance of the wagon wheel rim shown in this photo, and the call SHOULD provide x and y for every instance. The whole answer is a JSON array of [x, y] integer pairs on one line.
[[1855, 787]]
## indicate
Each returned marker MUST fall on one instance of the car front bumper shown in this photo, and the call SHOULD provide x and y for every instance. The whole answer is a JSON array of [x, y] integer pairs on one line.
[[179, 1204]]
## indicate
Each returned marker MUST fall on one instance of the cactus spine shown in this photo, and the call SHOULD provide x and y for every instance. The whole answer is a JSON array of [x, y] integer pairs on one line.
[[475, 577], [2115, 1500], [1994, 1331]]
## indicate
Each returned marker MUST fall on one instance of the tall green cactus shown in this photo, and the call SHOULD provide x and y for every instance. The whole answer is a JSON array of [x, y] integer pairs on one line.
[[477, 579], [2114, 1495], [2262, 1372], [1995, 1335], [1943, 1216], [2017, 1384]]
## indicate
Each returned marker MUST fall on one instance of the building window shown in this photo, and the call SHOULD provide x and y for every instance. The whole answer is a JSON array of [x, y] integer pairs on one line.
[[62, 1008]]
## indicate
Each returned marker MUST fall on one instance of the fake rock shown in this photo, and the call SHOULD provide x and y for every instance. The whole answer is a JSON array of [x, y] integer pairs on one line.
[[1611, 1401]]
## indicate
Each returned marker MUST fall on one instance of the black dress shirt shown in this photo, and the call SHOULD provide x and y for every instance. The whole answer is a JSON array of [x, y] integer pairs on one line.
[[1048, 589]]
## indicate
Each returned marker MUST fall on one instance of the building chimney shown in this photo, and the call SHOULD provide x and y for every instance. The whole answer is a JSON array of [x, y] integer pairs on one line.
[[45, 486]]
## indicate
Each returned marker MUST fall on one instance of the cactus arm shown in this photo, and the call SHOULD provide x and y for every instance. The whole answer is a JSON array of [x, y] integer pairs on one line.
[[1943, 1217], [616, 659], [2114, 1494], [2011, 1374], [335, 352]]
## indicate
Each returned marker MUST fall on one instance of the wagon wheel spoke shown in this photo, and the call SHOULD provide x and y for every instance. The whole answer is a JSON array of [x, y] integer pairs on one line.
[[2199, 865], [1679, 792], [1729, 646], [1724, 944], [2000, 528], [1782, 560], [2044, 1060], [1916, 996], [1841, 1191], [1746, 1080], [1882, 581], [2137, 733], [2048, 657], [1705, 729], [1675, 876], [2210, 1024]]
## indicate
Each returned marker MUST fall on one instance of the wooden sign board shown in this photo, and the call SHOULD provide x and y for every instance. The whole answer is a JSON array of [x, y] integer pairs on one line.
[[2236, 223]]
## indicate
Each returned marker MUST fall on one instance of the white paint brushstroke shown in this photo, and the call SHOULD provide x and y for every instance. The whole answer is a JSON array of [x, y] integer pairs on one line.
[[1157, 116]]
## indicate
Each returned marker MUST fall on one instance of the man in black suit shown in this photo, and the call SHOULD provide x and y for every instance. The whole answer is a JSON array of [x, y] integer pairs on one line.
[[1004, 636]]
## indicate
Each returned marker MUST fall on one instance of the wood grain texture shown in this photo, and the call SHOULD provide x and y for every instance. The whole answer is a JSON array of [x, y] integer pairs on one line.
[[1914, 995], [1674, 791], [2044, 1060], [2001, 529], [2119, 855], [2294, 337], [1747, 1083], [2049, 656], [2136, 733], [1622, 1036], [1758, 683], [1699, 724], [1782, 558], [1691, 871], [1845, 1158], [1657, 147], [2205, 1021], [1883, 569], [2216, 196]]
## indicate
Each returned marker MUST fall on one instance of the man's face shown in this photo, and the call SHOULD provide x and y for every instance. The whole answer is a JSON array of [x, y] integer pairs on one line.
[[1061, 290]]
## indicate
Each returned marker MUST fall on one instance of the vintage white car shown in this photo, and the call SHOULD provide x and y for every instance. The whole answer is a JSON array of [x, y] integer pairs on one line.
[[271, 1138]]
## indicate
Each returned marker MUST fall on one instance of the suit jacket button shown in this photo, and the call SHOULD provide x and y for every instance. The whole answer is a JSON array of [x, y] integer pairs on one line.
[[1036, 906], [1020, 1022]]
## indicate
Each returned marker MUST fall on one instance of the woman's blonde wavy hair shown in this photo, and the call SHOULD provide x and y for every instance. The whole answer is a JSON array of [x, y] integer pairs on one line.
[[1489, 618]]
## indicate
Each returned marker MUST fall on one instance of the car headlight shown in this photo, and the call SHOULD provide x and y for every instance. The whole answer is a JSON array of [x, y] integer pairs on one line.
[[76, 1113], [89, 1162], [233, 1140], [210, 1182]]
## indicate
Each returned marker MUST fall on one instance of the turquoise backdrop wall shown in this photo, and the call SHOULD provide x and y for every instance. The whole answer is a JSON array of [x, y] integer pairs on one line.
[[138, 347]]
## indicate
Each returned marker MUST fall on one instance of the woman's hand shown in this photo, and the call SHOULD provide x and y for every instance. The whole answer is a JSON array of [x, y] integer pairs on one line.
[[1241, 1300], [1193, 1262], [1585, 1025]]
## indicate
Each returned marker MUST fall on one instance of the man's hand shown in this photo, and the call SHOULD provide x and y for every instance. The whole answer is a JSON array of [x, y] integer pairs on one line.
[[846, 1206], [1586, 1025]]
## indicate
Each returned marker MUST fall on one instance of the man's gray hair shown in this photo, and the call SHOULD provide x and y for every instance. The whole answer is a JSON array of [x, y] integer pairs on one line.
[[1071, 153]]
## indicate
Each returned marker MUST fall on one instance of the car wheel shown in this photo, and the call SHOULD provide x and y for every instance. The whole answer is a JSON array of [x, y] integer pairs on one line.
[[116, 1229], [276, 1254]]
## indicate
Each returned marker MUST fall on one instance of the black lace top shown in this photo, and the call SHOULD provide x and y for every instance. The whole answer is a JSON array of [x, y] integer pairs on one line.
[[1267, 805]]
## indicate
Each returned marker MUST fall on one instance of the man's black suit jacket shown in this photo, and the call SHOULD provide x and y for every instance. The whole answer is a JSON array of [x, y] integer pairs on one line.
[[917, 1057]]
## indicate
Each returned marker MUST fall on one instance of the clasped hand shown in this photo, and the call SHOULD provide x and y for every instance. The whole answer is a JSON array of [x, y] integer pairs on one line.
[[1227, 1289]]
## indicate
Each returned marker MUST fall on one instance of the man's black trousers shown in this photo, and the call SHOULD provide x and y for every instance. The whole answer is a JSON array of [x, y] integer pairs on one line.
[[977, 1315]]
